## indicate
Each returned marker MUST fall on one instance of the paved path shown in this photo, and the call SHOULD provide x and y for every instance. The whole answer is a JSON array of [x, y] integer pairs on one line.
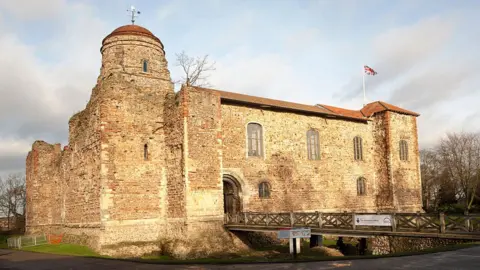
[[468, 258]]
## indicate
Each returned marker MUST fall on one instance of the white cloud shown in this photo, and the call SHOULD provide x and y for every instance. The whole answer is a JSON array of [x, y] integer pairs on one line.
[[266, 75], [38, 95], [401, 50], [32, 10]]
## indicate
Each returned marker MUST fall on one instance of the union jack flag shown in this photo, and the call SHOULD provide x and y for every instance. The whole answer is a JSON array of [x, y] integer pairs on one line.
[[369, 71]]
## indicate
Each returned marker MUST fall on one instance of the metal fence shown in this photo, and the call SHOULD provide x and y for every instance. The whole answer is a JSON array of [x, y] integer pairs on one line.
[[27, 241]]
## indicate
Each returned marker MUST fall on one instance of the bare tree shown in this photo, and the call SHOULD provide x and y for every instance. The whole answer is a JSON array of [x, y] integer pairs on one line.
[[430, 168], [460, 154], [195, 70], [12, 196]]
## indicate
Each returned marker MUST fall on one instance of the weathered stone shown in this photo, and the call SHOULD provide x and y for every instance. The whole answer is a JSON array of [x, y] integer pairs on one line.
[[144, 167]]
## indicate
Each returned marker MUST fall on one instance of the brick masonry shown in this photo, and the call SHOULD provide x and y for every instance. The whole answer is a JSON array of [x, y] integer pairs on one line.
[[143, 168]]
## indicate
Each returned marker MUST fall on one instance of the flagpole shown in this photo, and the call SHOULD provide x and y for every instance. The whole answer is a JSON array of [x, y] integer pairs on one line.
[[364, 97]]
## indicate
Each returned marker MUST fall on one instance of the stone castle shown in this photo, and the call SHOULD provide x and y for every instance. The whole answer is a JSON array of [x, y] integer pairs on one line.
[[149, 169]]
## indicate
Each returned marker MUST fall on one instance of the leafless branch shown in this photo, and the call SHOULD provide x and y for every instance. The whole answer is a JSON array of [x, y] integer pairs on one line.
[[195, 70]]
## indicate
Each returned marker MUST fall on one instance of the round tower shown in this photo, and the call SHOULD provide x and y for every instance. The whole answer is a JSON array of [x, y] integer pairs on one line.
[[134, 50]]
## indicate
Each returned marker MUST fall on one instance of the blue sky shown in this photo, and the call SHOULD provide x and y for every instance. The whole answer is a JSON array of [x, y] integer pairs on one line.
[[425, 53]]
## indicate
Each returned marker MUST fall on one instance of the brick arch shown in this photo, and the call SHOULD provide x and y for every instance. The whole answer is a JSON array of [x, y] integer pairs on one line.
[[232, 195]]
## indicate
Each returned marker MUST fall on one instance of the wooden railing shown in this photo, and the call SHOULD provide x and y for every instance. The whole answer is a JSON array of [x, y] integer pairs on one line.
[[401, 222]]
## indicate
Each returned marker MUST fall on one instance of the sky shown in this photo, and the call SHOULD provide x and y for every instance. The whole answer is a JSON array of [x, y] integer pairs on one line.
[[306, 51]]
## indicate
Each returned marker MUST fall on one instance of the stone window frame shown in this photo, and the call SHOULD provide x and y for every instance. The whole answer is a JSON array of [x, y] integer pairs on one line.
[[262, 141], [361, 186], [264, 190], [145, 66], [316, 144], [403, 150], [358, 148]]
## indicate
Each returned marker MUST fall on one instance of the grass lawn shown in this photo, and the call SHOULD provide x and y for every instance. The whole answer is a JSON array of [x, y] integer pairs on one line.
[[64, 249], [273, 254]]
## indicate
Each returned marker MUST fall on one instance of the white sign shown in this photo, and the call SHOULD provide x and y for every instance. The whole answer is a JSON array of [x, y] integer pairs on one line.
[[373, 220], [295, 233]]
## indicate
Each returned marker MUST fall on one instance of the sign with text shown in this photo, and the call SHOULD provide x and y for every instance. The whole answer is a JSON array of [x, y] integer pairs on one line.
[[373, 220], [294, 233]]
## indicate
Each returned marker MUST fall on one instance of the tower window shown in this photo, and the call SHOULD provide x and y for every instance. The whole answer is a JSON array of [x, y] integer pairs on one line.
[[357, 148], [403, 150], [145, 152], [145, 65], [313, 147], [361, 186]]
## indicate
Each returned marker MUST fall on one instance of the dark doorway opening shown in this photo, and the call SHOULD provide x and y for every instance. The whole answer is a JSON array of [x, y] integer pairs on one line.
[[232, 203]]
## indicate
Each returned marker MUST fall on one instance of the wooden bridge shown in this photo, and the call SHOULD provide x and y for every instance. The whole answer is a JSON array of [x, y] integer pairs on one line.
[[441, 225]]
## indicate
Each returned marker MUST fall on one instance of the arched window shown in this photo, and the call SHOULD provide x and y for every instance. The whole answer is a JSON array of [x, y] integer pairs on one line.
[[145, 65], [357, 148], [264, 190], [361, 189], [313, 146], [403, 150], [255, 140], [145, 152]]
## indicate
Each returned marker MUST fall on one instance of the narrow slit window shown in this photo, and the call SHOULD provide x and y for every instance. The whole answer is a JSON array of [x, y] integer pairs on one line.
[[357, 148], [145, 152], [145, 66], [403, 150], [361, 190], [313, 146]]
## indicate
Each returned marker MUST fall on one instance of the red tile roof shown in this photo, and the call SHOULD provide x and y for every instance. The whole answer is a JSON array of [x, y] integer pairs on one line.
[[321, 109], [380, 106], [341, 111], [132, 29]]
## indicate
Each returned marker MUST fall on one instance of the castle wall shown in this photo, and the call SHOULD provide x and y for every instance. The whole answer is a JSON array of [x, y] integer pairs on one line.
[[43, 188], [133, 167], [405, 173], [297, 183], [203, 162], [382, 148]]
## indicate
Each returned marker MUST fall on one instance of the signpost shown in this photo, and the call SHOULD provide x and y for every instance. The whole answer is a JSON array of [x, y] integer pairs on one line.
[[293, 234], [373, 220]]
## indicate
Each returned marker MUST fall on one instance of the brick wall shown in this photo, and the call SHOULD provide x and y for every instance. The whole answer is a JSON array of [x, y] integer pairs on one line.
[[328, 184], [204, 146], [298, 183], [405, 173], [44, 189]]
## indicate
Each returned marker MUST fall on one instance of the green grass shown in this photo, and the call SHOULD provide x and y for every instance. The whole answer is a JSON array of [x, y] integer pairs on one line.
[[64, 249], [248, 257]]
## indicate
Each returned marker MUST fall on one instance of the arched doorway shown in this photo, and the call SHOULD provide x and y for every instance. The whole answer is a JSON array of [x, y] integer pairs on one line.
[[232, 201]]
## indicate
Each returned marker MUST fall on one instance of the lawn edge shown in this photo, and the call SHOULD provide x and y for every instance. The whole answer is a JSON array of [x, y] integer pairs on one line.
[[287, 260]]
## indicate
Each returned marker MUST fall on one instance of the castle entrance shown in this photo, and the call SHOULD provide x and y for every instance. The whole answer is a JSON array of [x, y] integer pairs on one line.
[[232, 202]]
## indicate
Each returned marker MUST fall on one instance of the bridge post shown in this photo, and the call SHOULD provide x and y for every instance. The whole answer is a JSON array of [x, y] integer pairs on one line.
[[394, 222], [354, 227], [267, 219], [245, 218], [292, 222], [320, 220], [442, 222], [417, 221]]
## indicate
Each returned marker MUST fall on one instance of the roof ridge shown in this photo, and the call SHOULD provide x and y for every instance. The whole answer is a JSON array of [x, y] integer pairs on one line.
[[326, 108], [381, 103]]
